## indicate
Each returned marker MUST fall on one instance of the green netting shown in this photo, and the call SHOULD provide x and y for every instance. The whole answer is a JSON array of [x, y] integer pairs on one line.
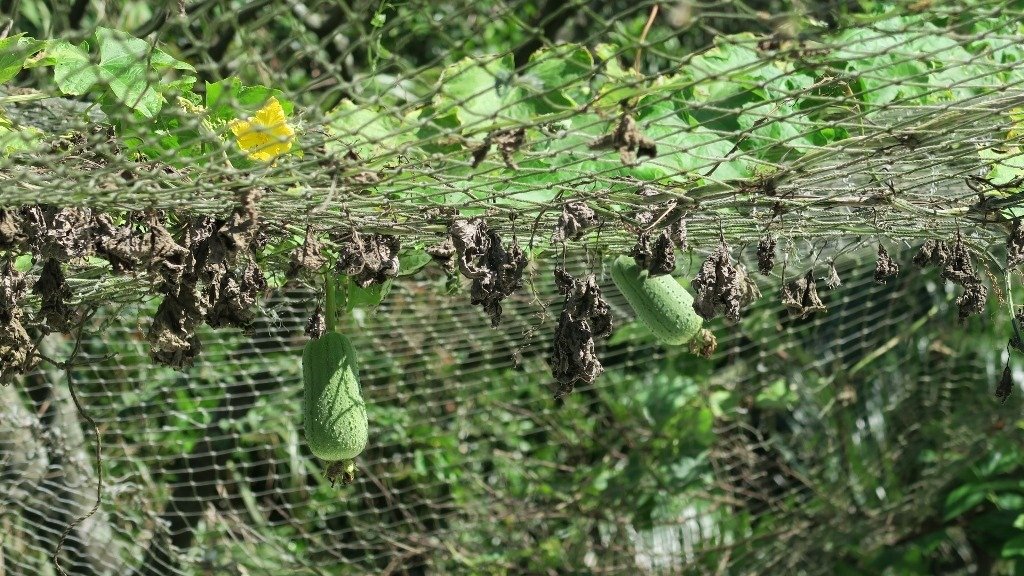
[[835, 183]]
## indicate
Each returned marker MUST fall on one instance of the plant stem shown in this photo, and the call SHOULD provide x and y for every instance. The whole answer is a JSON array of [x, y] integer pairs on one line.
[[331, 314]]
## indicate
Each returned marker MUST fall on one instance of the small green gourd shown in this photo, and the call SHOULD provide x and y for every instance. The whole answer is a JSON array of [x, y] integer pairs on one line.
[[660, 302], [333, 409]]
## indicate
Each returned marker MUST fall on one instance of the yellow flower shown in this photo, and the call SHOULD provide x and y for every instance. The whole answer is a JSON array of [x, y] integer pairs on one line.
[[266, 135]]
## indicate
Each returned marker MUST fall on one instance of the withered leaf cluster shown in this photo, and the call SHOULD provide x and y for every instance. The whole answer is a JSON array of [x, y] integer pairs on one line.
[[885, 267], [444, 254], [308, 257], [628, 140], [1018, 319], [833, 281], [57, 236], [11, 233], [1014, 245], [655, 251], [704, 343], [766, 254], [54, 293], [573, 223], [317, 323], [723, 287], [141, 241], [16, 354], [60, 233], [658, 257], [932, 253], [368, 258], [801, 296], [496, 272], [585, 317], [508, 142], [956, 266], [1005, 386], [218, 283]]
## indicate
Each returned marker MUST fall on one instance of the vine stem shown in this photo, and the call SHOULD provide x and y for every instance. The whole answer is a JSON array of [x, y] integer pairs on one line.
[[332, 303], [643, 36], [68, 366], [1008, 278]]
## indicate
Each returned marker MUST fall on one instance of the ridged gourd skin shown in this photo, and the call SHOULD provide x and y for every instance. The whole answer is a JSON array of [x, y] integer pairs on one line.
[[333, 409], [661, 303]]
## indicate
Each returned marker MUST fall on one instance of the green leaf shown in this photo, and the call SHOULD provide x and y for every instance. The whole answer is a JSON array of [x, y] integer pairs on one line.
[[15, 139], [963, 499], [228, 99], [73, 70], [412, 261], [609, 55], [731, 67], [630, 332], [129, 69], [556, 77], [14, 52], [483, 92], [434, 131], [684, 146], [1005, 164], [1013, 547], [135, 71], [37, 13], [23, 263], [371, 130], [775, 395], [369, 297]]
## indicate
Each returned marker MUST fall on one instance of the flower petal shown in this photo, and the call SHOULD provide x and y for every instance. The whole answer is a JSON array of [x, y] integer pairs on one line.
[[266, 135]]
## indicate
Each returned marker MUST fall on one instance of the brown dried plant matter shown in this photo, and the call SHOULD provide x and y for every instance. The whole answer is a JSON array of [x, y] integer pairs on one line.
[[308, 257], [316, 326], [141, 241], [368, 258], [496, 272], [574, 221], [218, 283], [655, 251], [766, 254], [508, 142], [1015, 245], [833, 280], [657, 257], [59, 233], [885, 267], [1015, 341], [704, 343], [1005, 385], [956, 266], [585, 317], [54, 292], [722, 287], [16, 349], [628, 140], [801, 296]]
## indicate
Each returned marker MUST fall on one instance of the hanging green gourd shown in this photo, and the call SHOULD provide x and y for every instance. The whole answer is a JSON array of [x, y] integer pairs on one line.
[[333, 409], [660, 302]]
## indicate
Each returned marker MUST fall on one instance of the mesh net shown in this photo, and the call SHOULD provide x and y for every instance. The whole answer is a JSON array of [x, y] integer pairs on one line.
[[180, 182]]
